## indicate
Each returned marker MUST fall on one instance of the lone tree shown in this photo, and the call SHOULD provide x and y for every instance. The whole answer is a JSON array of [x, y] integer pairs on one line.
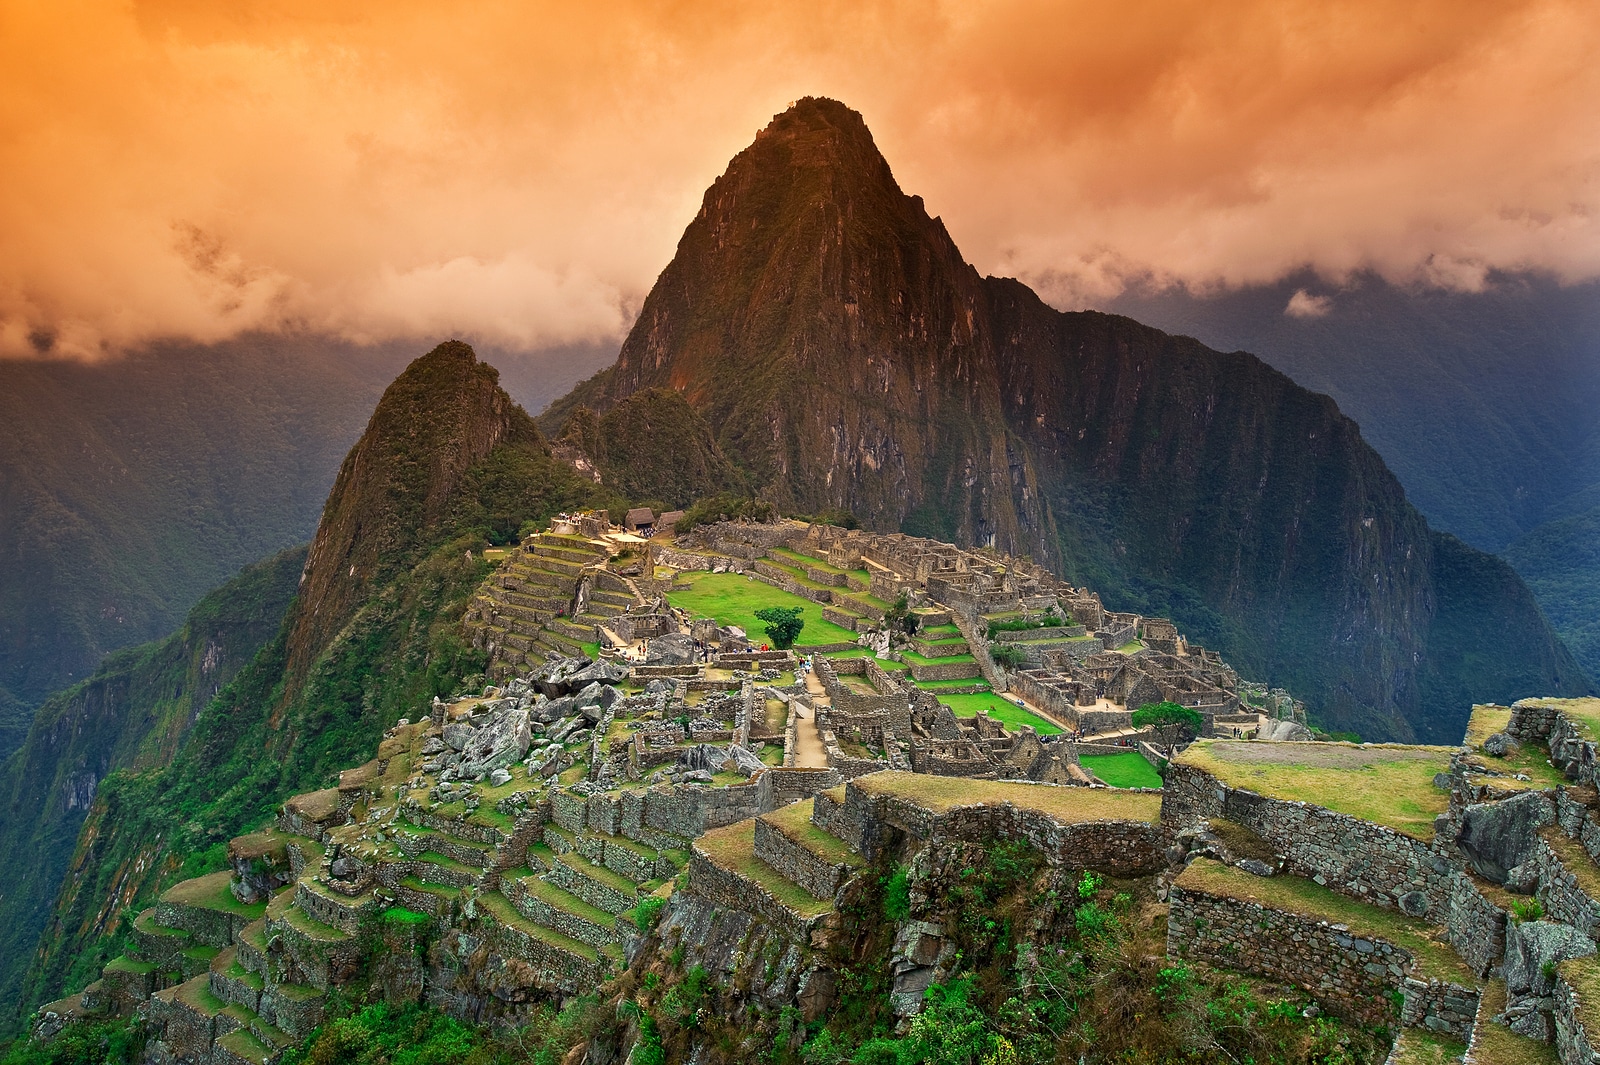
[[1164, 716], [783, 625]]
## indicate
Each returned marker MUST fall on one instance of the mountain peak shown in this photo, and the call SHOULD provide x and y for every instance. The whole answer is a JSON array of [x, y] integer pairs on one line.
[[443, 414]]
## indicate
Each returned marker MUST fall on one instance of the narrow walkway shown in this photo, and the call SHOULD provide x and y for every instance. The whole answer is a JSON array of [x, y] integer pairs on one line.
[[809, 752]]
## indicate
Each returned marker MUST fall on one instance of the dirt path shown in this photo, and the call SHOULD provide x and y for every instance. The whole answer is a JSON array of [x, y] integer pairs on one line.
[[809, 752]]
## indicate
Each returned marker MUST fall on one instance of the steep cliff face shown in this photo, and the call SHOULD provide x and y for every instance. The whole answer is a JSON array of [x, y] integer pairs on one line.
[[131, 714], [848, 357], [651, 446]]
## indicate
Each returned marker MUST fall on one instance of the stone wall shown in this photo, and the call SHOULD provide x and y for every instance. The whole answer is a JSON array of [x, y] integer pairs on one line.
[[726, 890], [797, 864], [1357, 858], [1477, 924], [1351, 975], [1572, 1041], [868, 822], [1560, 891]]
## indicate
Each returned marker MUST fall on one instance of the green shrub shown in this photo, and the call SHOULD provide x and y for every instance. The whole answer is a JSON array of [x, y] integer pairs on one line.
[[897, 895], [783, 625], [647, 913], [1169, 715], [1527, 910], [1007, 655]]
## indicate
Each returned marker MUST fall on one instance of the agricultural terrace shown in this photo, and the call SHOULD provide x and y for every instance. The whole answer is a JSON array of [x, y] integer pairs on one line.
[[1293, 894], [998, 707], [1387, 785], [1065, 804], [733, 599], [1584, 713], [1128, 770]]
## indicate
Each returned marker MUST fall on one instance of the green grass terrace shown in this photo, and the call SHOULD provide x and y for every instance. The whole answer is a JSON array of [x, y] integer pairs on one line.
[[1389, 785], [1129, 770], [1001, 709], [733, 599]]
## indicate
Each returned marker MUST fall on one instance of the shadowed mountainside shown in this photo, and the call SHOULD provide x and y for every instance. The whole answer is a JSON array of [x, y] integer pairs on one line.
[[131, 714]]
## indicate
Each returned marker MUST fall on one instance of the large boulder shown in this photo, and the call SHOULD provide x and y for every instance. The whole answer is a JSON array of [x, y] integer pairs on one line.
[[1499, 836], [603, 671], [672, 649], [742, 760], [554, 678], [497, 745]]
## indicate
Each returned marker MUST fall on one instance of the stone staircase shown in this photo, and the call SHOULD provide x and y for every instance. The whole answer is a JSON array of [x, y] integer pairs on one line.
[[546, 599]]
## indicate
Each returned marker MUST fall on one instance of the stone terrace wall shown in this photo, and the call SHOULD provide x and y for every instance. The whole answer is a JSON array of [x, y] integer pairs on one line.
[[797, 864], [728, 891], [896, 705], [1357, 858], [1351, 975], [1570, 751], [1477, 926], [868, 822]]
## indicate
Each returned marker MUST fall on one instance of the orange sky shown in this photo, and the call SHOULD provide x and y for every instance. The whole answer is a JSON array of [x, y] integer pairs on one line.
[[519, 173]]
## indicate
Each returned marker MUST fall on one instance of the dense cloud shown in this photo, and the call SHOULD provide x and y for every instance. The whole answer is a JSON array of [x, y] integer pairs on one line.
[[520, 175]]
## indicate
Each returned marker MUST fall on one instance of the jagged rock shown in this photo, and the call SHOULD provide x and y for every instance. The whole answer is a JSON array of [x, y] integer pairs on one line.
[[743, 761], [553, 709], [695, 776], [433, 745], [566, 727], [1441, 781], [1256, 867], [499, 777], [345, 869], [1499, 836], [658, 687], [1285, 732], [1532, 950], [554, 678], [603, 671], [497, 744], [457, 734], [672, 649], [1499, 745]]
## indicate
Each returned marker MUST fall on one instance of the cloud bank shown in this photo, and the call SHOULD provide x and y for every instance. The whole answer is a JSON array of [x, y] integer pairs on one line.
[[520, 173]]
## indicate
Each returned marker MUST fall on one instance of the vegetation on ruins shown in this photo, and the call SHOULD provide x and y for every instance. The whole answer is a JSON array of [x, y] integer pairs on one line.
[[734, 599], [1051, 965], [900, 618], [1176, 723], [783, 625], [726, 506], [1008, 655], [1026, 623], [115, 1042]]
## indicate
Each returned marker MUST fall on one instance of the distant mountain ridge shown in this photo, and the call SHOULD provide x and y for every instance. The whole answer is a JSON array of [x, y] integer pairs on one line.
[[846, 356]]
